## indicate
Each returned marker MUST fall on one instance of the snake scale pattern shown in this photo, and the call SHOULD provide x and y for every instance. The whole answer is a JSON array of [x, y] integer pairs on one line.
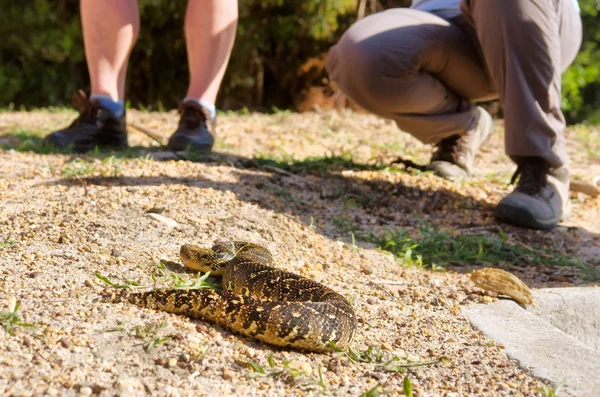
[[257, 300]]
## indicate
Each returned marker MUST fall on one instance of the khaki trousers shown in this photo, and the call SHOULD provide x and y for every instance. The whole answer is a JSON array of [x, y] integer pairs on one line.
[[426, 72]]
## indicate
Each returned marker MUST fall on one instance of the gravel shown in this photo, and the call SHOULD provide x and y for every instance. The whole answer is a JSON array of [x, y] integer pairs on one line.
[[63, 220]]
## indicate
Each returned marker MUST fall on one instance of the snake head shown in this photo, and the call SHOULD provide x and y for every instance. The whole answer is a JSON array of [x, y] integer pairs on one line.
[[203, 259]]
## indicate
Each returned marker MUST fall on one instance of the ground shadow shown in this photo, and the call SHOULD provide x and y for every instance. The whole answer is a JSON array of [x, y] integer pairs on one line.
[[438, 226], [455, 231]]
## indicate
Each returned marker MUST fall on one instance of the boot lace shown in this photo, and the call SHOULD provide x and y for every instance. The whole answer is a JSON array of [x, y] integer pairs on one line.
[[191, 116], [449, 149], [531, 172]]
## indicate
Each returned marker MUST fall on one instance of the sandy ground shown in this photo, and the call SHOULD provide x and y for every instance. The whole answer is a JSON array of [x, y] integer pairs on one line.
[[64, 218]]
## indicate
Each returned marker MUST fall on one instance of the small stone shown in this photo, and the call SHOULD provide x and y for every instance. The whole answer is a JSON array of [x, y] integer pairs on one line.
[[184, 357], [129, 386], [115, 252], [559, 277], [33, 274], [367, 269], [333, 364], [167, 221], [302, 366], [172, 362], [226, 374], [160, 361], [27, 341], [65, 343], [178, 337], [85, 391], [156, 210], [170, 391], [88, 283], [473, 297]]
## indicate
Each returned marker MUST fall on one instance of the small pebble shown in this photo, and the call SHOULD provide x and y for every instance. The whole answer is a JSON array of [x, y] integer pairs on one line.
[[85, 391], [178, 337], [184, 357], [51, 392], [368, 269], [487, 299], [300, 365], [226, 374], [172, 362]]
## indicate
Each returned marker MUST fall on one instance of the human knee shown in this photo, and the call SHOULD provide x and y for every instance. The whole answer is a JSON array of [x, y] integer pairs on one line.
[[355, 65]]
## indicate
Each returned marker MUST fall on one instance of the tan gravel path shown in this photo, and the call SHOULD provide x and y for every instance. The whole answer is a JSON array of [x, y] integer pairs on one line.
[[68, 219]]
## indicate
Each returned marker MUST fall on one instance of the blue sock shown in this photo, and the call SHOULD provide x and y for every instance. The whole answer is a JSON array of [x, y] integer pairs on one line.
[[116, 107]]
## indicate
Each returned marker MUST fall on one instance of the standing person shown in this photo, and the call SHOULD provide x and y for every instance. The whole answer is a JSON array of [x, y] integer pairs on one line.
[[110, 30], [426, 65]]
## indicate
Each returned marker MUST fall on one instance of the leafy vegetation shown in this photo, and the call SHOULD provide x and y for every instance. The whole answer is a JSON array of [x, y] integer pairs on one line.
[[163, 276], [279, 52], [435, 248], [376, 355], [548, 391], [149, 334], [10, 319], [288, 372], [7, 242]]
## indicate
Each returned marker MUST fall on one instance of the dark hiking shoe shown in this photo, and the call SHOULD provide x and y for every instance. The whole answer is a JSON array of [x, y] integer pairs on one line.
[[541, 198], [192, 133], [454, 156], [96, 126]]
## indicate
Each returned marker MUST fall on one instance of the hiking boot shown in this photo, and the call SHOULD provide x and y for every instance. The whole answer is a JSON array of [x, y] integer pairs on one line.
[[96, 126], [192, 133], [541, 198], [454, 156]]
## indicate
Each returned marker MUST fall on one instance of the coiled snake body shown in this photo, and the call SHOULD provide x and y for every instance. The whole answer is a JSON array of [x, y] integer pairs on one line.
[[257, 300]]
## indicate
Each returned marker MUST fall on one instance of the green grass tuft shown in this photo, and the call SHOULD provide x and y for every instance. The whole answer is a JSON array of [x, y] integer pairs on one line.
[[10, 319], [436, 248]]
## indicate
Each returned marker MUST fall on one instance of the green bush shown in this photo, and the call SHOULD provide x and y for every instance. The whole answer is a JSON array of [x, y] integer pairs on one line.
[[42, 61], [581, 82]]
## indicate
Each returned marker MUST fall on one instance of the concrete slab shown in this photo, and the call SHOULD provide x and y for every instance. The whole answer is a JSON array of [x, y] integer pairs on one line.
[[549, 352], [575, 311]]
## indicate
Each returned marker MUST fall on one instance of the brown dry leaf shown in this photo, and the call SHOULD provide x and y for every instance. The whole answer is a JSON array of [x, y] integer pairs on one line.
[[585, 188], [503, 283]]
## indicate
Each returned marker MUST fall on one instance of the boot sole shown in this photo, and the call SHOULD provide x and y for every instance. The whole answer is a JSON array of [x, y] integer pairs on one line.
[[518, 216]]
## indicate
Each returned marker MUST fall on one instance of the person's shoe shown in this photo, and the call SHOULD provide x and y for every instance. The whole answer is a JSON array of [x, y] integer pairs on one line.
[[96, 126], [454, 156], [192, 132], [541, 198]]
